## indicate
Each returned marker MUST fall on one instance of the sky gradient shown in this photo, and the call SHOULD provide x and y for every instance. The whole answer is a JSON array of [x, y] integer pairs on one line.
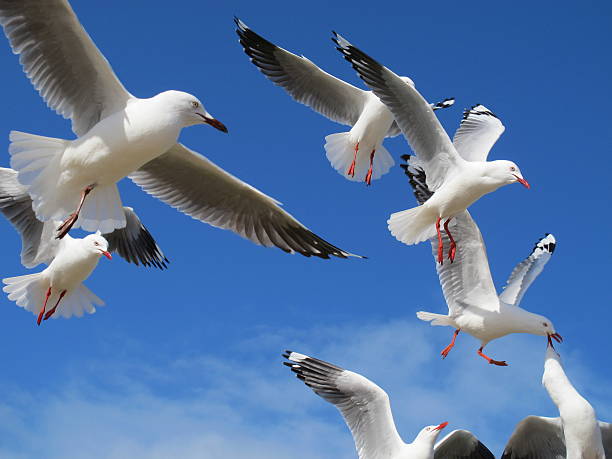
[[186, 362]]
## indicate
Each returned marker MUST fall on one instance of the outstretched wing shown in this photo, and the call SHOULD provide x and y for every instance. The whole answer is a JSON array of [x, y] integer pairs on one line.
[[364, 406], [195, 186], [62, 61], [461, 444], [606, 437], [479, 130], [536, 437], [135, 244], [467, 280], [413, 114], [303, 80], [527, 270]]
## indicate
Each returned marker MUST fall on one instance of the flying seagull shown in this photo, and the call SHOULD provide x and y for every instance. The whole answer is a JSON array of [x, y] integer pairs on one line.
[[358, 155], [458, 173], [120, 135], [367, 411], [576, 434], [473, 304], [133, 242]]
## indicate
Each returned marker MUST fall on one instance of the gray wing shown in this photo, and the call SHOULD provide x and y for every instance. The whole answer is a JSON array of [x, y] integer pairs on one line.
[[461, 444], [527, 270], [195, 186], [479, 130], [38, 244], [466, 281], [303, 80], [61, 61], [445, 103], [606, 437], [414, 115], [135, 244], [536, 437], [364, 406]]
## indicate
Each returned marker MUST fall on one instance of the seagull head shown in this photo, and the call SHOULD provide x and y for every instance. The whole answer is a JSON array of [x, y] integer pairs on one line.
[[95, 243], [543, 326], [506, 172], [189, 109], [429, 434]]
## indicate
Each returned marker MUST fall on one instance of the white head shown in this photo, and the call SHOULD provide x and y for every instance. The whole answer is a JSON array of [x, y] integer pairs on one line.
[[505, 172], [95, 243], [540, 325], [188, 109], [429, 434]]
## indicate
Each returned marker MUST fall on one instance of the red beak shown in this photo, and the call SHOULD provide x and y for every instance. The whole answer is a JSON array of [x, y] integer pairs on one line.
[[558, 338], [441, 426], [214, 123], [107, 254], [522, 181]]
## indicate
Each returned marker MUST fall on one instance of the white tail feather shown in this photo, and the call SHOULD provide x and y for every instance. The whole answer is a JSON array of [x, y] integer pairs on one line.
[[435, 319], [29, 292], [413, 225], [340, 151], [102, 210]]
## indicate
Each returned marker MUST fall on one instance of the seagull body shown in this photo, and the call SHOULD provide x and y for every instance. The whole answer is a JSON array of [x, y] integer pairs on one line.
[[120, 135], [358, 155], [576, 434], [73, 261], [367, 411], [457, 172], [473, 303]]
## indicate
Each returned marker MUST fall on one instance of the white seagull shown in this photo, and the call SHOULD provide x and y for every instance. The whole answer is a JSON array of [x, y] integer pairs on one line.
[[473, 304], [120, 135], [576, 434], [367, 412], [71, 261], [457, 172], [358, 155], [134, 243]]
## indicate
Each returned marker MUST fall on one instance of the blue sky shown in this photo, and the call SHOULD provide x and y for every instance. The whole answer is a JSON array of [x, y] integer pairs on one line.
[[186, 362]]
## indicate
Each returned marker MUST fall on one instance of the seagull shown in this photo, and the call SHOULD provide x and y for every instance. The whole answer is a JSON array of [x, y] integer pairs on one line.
[[71, 261], [457, 172], [576, 434], [120, 135], [367, 411], [358, 155], [133, 242], [473, 304]]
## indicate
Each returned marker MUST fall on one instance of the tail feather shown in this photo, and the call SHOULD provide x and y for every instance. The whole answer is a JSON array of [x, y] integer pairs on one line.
[[102, 211], [435, 319], [413, 225], [77, 302], [340, 151]]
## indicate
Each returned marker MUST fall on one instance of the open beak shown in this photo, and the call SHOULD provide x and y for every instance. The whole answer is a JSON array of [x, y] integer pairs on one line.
[[522, 181], [106, 254], [441, 426], [557, 337], [214, 123]]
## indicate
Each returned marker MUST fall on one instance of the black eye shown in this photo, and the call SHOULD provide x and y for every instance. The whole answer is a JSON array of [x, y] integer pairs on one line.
[[545, 324], [96, 243], [512, 168], [194, 104]]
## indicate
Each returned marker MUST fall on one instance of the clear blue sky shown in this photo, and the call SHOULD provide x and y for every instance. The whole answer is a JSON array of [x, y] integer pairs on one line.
[[186, 362]]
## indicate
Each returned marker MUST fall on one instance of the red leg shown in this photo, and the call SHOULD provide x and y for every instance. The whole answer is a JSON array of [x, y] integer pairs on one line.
[[351, 169], [71, 220], [368, 178], [52, 311], [448, 348], [42, 310], [501, 363], [453, 247], [440, 244]]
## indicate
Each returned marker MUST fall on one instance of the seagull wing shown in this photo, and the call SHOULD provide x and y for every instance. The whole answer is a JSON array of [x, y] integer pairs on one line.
[[527, 270], [448, 102], [195, 186], [413, 114], [135, 244], [479, 130], [606, 437], [364, 406], [61, 61], [461, 444], [536, 437], [302, 79]]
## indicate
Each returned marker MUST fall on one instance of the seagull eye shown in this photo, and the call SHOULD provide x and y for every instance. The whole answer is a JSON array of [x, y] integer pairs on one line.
[[194, 104], [545, 324], [96, 243], [512, 168]]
